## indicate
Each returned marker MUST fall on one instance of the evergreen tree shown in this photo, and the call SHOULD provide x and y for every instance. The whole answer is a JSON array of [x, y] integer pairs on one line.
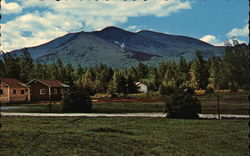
[[235, 60], [61, 69], [79, 72], [199, 72], [26, 66], [119, 83], [54, 72], [88, 82], [11, 65], [131, 87], [216, 73], [2, 69], [156, 79], [69, 75], [183, 68], [172, 75], [142, 71]]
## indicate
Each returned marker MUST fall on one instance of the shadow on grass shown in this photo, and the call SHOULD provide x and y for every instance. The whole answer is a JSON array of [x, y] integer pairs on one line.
[[110, 130]]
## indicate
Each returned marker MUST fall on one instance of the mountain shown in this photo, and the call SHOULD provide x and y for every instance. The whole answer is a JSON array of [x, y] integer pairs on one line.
[[120, 48]]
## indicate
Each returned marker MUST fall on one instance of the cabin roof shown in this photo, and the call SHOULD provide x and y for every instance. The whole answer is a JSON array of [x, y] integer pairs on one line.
[[14, 83], [51, 83], [139, 83]]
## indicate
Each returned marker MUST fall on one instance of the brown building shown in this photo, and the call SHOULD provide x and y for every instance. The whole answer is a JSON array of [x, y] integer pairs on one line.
[[14, 91], [45, 90]]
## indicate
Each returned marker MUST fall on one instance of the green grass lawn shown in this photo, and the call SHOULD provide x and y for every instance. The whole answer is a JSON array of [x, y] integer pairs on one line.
[[122, 136], [117, 107], [128, 107]]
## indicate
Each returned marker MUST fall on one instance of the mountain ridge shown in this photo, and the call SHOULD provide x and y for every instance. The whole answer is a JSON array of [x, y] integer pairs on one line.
[[116, 47]]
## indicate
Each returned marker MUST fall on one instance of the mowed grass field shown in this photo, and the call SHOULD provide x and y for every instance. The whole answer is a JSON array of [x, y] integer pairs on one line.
[[230, 103], [122, 136]]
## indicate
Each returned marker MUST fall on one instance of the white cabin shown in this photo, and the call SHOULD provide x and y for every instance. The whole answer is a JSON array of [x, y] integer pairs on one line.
[[142, 88]]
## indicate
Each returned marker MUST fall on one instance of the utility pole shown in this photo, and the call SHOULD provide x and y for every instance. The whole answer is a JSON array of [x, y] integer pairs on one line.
[[218, 104], [50, 100], [1, 92]]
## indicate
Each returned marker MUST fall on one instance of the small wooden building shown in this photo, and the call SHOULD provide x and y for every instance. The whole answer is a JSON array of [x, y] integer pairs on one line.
[[142, 88], [45, 90], [14, 91]]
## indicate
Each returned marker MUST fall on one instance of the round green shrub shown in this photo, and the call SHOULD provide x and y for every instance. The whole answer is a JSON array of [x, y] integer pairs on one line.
[[182, 106], [76, 100]]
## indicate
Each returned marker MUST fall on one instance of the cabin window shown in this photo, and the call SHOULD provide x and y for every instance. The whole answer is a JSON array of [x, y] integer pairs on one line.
[[54, 91], [22, 91], [14, 91], [26, 90], [42, 92], [62, 91]]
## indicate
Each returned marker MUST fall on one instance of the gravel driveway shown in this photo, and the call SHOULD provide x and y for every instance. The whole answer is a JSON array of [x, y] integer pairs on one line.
[[147, 115]]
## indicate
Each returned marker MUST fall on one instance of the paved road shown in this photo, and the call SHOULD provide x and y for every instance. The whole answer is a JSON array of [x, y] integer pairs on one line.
[[148, 115]]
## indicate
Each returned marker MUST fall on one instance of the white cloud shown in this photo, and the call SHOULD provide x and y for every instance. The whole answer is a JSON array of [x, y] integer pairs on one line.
[[41, 31], [132, 28], [214, 41], [208, 38], [211, 39], [10, 8], [244, 32], [58, 18]]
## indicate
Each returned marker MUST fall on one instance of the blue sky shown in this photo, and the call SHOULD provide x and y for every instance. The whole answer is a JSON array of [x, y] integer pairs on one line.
[[33, 22]]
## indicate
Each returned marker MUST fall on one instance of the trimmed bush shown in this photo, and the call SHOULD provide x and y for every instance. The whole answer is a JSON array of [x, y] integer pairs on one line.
[[182, 106], [76, 100]]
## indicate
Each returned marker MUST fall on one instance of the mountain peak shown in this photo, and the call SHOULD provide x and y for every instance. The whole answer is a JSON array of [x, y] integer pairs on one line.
[[113, 33], [112, 28]]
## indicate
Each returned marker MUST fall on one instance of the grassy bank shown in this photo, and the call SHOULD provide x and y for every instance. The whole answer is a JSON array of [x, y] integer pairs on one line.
[[115, 107], [122, 136]]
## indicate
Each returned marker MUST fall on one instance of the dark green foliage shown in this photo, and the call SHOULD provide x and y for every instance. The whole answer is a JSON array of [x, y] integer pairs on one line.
[[26, 66], [182, 106], [119, 83], [166, 90], [199, 72], [76, 100], [142, 71], [131, 88], [236, 72], [11, 66], [187, 90]]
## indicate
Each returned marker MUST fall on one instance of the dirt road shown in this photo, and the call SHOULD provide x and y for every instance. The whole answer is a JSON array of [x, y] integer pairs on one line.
[[146, 115]]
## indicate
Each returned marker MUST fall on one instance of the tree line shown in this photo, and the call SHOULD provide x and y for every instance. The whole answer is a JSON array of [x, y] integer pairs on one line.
[[228, 72]]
